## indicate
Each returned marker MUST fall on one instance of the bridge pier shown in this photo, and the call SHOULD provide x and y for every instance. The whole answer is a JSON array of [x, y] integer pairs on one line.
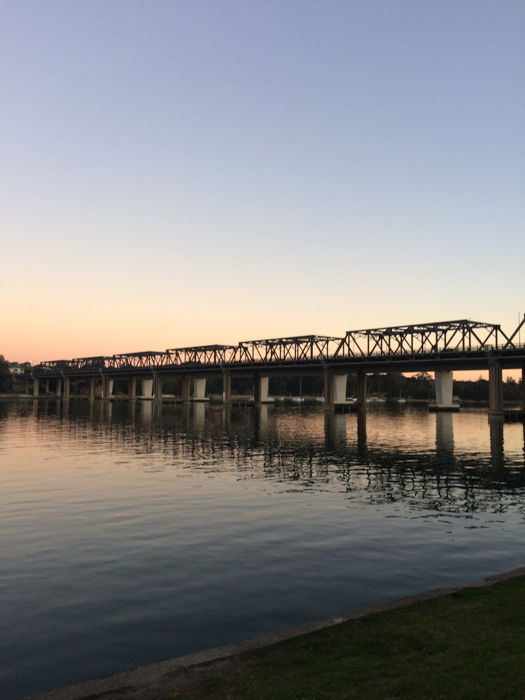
[[199, 389], [185, 389], [226, 387], [443, 384], [58, 388], [132, 388], [495, 389], [361, 390], [147, 388], [157, 387], [107, 388], [36, 387], [92, 388], [260, 390]]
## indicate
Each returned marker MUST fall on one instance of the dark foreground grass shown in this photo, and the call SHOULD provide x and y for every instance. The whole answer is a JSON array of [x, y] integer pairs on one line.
[[467, 645]]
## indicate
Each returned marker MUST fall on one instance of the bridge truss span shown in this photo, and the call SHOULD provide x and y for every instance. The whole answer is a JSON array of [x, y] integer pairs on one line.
[[462, 336], [404, 346]]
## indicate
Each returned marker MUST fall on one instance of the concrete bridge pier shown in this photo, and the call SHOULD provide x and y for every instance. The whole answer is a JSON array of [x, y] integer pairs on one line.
[[495, 389], [132, 388], [66, 388], [199, 389], [36, 387], [58, 388], [185, 389], [260, 390], [92, 388], [339, 391], [226, 387], [328, 390], [157, 387], [107, 388], [361, 390], [335, 389], [147, 388], [443, 384]]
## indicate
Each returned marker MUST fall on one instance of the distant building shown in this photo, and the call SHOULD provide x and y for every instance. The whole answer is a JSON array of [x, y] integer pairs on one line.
[[19, 367]]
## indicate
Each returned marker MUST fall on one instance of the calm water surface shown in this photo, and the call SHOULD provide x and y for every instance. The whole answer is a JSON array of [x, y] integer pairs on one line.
[[134, 533]]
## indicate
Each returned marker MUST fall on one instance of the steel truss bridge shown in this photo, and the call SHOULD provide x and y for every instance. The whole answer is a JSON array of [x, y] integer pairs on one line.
[[460, 344]]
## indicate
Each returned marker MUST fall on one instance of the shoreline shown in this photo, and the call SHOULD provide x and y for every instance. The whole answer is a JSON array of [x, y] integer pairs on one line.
[[144, 678]]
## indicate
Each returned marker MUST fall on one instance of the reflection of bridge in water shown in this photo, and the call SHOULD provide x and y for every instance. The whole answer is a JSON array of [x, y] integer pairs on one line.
[[441, 347], [335, 447]]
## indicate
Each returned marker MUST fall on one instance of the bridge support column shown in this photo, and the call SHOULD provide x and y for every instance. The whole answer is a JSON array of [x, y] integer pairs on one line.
[[147, 388], [328, 391], [36, 387], [58, 388], [66, 387], [185, 389], [523, 388], [199, 389], [46, 386], [361, 390], [226, 387], [157, 387], [339, 392], [107, 387], [260, 390], [443, 384], [92, 388], [495, 389], [132, 388]]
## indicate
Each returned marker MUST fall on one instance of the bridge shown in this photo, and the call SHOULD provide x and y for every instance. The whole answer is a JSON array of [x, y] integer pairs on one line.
[[440, 347]]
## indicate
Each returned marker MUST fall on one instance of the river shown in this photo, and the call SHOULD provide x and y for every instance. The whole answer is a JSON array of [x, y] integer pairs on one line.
[[133, 532]]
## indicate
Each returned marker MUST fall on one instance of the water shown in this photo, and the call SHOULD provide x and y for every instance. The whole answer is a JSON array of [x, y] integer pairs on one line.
[[134, 533]]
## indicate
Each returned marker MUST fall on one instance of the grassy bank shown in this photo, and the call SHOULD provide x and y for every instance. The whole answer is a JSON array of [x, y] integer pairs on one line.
[[467, 645]]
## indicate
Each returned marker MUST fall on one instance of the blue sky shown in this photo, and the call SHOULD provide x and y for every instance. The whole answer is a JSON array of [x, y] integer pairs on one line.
[[198, 172]]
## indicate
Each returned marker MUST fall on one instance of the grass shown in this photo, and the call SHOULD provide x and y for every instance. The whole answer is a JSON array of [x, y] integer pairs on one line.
[[467, 645]]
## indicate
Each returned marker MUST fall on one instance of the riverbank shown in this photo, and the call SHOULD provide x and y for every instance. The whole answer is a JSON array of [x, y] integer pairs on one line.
[[463, 642]]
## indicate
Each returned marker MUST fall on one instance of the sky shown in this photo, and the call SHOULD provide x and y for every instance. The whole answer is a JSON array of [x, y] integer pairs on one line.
[[180, 173]]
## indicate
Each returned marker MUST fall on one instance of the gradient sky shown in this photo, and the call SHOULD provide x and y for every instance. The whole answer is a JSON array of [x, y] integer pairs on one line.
[[179, 173]]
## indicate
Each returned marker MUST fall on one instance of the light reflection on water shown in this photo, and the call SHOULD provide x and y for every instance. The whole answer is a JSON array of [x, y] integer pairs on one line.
[[133, 532]]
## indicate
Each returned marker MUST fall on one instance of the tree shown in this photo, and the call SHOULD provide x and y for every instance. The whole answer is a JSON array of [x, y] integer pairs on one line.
[[6, 381]]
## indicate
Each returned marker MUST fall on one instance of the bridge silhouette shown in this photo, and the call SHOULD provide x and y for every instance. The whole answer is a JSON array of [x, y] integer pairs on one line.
[[441, 347]]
